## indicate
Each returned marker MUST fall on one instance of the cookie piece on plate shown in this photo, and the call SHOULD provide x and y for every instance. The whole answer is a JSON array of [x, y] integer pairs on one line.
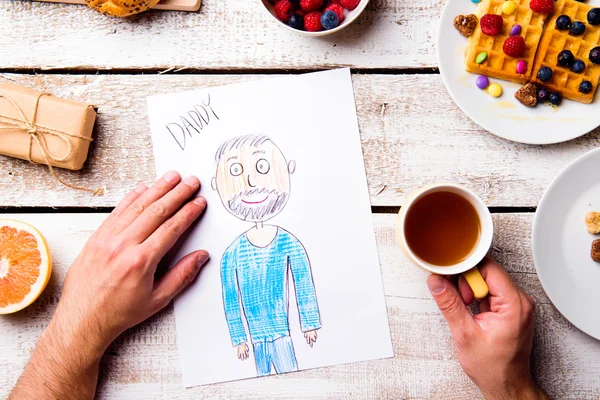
[[596, 250], [466, 24], [527, 95], [592, 220]]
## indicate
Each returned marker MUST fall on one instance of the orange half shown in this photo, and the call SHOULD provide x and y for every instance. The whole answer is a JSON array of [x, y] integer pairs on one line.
[[25, 265]]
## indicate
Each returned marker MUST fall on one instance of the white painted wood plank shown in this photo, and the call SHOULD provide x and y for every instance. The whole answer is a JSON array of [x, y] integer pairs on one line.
[[144, 363], [235, 34], [422, 138]]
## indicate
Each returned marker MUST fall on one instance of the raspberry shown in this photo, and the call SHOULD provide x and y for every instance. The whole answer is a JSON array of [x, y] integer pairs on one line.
[[514, 46], [336, 8], [284, 9], [491, 24], [542, 6], [311, 5], [338, 2], [349, 4], [312, 22]]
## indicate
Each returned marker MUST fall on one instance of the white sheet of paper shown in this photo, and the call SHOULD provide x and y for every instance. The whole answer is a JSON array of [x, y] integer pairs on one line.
[[312, 120]]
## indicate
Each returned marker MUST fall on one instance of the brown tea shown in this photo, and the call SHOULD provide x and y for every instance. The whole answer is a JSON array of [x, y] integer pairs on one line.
[[442, 228]]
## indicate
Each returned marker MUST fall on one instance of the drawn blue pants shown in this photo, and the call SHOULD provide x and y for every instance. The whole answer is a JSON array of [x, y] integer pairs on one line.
[[279, 353]]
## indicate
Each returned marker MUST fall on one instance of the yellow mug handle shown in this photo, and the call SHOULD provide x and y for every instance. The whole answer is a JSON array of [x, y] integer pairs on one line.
[[478, 285]]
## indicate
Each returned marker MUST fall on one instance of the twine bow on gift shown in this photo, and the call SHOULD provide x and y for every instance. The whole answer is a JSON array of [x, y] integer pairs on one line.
[[37, 133]]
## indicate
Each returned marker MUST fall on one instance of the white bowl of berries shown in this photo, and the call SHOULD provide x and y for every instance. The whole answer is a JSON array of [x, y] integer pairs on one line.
[[315, 17]]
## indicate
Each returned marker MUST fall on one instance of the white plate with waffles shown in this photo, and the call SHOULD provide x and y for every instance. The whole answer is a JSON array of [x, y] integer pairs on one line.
[[506, 116]]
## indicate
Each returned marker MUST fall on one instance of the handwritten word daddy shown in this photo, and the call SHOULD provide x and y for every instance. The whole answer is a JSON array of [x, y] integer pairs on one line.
[[194, 121]]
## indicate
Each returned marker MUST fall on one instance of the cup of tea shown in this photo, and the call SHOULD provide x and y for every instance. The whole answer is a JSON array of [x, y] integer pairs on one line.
[[447, 230]]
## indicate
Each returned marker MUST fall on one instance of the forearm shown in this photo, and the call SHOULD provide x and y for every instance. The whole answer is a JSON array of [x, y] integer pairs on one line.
[[59, 369]]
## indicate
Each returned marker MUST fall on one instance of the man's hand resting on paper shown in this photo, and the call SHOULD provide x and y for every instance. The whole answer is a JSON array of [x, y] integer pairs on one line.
[[493, 347], [111, 287]]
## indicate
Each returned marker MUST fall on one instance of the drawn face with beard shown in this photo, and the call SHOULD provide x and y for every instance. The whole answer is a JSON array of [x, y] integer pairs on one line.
[[253, 181]]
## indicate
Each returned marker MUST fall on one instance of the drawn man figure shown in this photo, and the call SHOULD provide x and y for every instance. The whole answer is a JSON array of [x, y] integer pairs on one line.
[[253, 181]]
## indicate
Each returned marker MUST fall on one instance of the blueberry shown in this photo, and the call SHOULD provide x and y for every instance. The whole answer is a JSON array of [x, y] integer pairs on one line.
[[329, 19], [577, 28], [297, 22], [544, 74], [578, 66], [543, 95], [585, 87], [566, 58], [563, 23], [593, 16], [555, 98], [595, 55]]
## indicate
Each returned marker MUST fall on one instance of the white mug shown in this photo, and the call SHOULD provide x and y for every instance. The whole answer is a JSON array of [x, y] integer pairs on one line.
[[468, 266]]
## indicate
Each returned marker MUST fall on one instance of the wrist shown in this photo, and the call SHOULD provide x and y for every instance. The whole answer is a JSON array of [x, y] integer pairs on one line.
[[72, 344], [524, 390]]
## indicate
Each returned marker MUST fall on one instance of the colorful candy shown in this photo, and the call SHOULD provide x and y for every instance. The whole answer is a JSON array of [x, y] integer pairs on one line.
[[521, 67], [495, 90], [476, 1], [482, 82], [481, 57], [509, 7], [516, 30]]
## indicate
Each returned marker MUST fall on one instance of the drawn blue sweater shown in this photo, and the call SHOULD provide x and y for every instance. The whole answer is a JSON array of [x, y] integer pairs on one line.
[[258, 276]]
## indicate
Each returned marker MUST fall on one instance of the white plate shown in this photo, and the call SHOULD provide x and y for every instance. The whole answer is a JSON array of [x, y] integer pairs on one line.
[[561, 243], [505, 116]]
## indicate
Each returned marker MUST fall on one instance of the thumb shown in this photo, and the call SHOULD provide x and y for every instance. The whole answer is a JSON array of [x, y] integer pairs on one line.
[[450, 303], [178, 277]]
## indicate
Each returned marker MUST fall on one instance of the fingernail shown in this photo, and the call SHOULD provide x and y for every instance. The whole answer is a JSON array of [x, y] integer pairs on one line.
[[191, 181], [200, 201], [141, 188], [203, 257], [436, 284], [171, 176]]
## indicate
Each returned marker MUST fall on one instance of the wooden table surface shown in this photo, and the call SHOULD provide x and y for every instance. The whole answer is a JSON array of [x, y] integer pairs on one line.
[[412, 135]]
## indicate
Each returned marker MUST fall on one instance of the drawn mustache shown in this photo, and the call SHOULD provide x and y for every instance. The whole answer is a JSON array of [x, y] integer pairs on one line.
[[274, 203], [253, 192]]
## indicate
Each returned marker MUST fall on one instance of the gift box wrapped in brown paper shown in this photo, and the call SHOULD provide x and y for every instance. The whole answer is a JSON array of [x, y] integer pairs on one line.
[[43, 128]]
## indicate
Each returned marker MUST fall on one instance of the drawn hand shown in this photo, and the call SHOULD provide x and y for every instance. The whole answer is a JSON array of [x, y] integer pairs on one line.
[[493, 347], [311, 337], [243, 351]]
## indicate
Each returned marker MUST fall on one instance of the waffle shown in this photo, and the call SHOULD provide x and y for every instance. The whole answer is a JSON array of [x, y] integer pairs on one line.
[[564, 81], [499, 65]]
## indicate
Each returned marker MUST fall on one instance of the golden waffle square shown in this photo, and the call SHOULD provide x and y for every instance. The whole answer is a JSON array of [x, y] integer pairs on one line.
[[564, 81], [499, 65]]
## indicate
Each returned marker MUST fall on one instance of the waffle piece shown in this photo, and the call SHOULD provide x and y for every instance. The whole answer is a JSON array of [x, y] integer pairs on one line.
[[499, 65], [564, 81]]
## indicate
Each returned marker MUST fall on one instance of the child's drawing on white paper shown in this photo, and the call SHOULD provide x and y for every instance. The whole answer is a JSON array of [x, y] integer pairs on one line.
[[253, 182], [294, 282]]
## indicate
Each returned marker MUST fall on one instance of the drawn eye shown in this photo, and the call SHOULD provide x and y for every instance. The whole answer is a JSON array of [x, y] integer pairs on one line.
[[236, 169], [263, 166]]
